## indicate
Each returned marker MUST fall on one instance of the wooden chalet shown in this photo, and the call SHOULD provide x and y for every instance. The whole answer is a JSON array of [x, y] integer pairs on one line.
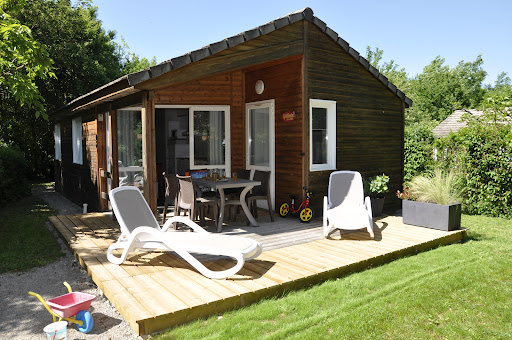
[[290, 96]]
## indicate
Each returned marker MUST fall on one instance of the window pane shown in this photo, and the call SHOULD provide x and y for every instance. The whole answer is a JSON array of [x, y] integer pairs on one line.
[[57, 142], [129, 148], [209, 138], [319, 118], [319, 135], [259, 137], [76, 135]]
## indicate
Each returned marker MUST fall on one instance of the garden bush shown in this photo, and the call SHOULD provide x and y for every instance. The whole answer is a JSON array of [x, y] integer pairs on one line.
[[418, 146], [14, 182], [481, 154]]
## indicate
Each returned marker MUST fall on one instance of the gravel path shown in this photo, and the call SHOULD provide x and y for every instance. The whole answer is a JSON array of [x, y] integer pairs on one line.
[[24, 317]]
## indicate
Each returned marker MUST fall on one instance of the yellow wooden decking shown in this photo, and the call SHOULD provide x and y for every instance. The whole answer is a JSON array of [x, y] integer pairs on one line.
[[155, 291]]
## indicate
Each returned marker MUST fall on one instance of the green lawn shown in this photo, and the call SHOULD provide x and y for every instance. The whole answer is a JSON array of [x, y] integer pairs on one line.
[[25, 242], [451, 292]]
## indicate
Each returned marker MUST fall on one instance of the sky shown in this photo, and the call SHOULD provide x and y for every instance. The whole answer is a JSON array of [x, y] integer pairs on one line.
[[412, 33]]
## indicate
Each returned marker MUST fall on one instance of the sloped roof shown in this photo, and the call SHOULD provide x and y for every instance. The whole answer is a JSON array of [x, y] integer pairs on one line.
[[453, 122], [128, 82]]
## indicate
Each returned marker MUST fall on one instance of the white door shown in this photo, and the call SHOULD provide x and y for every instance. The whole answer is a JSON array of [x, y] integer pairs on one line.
[[261, 140]]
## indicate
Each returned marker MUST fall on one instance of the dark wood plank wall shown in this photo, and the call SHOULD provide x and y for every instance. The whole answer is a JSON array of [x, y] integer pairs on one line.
[[79, 183], [283, 83], [222, 89], [369, 116]]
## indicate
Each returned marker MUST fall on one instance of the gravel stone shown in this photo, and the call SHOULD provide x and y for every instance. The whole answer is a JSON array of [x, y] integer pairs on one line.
[[24, 317]]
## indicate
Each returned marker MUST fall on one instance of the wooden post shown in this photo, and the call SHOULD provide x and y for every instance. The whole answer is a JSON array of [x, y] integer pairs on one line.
[[113, 146], [148, 149]]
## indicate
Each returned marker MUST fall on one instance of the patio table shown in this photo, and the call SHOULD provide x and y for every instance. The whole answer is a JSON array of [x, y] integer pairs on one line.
[[222, 184]]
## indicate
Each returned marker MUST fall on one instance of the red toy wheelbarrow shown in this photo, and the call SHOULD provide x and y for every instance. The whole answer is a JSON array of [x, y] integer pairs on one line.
[[72, 307]]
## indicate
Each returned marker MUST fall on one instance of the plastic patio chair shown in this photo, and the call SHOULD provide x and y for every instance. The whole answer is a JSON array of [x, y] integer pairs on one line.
[[189, 198], [171, 194], [140, 230], [261, 192], [345, 207]]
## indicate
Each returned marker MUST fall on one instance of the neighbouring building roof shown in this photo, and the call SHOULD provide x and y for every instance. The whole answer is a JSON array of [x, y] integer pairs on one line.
[[126, 85], [454, 122]]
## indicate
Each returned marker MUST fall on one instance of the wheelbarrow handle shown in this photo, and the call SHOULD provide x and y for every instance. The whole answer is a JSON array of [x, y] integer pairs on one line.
[[55, 316], [67, 286]]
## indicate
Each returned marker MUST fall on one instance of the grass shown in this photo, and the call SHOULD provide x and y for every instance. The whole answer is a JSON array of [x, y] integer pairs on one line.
[[25, 242], [451, 292]]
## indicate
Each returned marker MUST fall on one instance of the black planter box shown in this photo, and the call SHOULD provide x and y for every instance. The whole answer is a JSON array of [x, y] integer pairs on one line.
[[430, 215]]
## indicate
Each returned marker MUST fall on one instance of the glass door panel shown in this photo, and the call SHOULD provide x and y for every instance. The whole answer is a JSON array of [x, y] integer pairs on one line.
[[129, 148]]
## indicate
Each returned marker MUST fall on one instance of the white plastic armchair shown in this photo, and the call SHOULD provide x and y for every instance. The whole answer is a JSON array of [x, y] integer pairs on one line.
[[345, 207], [140, 230]]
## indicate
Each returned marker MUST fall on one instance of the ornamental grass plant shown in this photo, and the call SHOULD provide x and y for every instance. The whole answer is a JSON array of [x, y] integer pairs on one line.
[[440, 187]]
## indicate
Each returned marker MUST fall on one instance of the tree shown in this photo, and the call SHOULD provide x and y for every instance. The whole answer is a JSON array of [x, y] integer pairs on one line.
[[439, 90], [131, 62], [85, 57], [389, 69], [23, 60]]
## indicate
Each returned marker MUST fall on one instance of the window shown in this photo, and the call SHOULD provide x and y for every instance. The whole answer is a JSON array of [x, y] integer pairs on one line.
[[209, 138], [56, 136], [322, 134], [76, 131], [129, 148]]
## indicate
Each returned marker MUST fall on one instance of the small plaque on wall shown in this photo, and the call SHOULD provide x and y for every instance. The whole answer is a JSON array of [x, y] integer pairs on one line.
[[288, 116]]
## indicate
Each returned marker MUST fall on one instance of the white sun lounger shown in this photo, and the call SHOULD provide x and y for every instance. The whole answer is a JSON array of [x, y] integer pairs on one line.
[[345, 207], [140, 230]]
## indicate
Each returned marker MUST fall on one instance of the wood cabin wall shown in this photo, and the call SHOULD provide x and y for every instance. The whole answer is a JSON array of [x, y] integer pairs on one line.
[[222, 89], [79, 182], [369, 118], [283, 83]]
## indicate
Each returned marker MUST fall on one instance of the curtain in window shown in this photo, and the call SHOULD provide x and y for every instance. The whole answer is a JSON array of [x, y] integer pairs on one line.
[[209, 138]]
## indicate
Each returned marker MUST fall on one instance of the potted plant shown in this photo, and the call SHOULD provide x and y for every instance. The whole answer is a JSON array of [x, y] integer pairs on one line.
[[375, 187], [432, 201]]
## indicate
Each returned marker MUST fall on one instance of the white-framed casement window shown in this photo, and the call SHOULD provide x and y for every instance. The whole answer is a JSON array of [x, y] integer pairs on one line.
[[76, 135], [57, 137], [209, 138], [322, 132]]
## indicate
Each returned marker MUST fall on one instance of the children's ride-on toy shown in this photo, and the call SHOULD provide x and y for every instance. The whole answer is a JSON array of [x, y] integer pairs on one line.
[[305, 212], [72, 307]]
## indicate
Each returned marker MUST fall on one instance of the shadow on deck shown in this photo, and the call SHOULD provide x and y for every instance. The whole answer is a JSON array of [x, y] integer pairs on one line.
[[157, 290]]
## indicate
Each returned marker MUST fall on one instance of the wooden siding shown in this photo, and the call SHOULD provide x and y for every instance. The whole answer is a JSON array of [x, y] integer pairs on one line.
[[220, 89], [157, 290], [369, 118], [79, 183], [283, 83]]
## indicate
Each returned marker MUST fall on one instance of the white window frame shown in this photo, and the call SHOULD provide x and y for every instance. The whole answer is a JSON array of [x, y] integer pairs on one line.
[[76, 139], [330, 105], [227, 135], [58, 141]]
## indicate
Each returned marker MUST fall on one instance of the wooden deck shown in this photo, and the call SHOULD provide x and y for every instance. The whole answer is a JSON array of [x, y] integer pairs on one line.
[[155, 291]]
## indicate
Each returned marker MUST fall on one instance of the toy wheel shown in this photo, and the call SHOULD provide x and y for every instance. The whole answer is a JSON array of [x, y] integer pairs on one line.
[[284, 209], [306, 214], [87, 320]]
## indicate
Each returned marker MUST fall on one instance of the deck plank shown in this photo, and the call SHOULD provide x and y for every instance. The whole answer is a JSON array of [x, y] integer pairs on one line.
[[158, 290]]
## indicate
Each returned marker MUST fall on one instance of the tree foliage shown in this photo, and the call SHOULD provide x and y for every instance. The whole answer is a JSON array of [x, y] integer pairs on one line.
[[23, 60], [481, 154], [85, 57], [439, 89], [390, 69]]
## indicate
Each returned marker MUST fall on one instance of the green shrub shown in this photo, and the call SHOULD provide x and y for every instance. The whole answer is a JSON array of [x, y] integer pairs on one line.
[[481, 154], [14, 183], [418, 146]]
